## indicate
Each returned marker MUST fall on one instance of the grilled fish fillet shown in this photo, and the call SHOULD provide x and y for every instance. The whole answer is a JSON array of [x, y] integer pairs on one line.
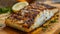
[[31, 17]]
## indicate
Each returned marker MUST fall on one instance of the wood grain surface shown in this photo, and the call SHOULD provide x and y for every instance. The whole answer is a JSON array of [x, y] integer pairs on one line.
[[9, 30]]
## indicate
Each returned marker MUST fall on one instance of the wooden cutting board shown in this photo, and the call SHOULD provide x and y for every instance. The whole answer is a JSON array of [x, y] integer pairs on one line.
[[54, 30]]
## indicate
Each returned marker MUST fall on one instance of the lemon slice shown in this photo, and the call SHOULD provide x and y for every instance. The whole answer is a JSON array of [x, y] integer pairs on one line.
[[19, 6]]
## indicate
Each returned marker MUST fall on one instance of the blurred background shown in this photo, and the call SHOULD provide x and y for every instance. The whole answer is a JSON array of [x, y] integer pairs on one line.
[[5, 3], [9, 3]]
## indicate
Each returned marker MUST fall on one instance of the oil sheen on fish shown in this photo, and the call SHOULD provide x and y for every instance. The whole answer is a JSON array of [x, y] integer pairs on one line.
[[31, 17]]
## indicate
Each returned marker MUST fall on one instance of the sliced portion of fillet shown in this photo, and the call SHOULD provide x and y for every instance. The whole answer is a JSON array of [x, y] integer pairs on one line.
[[31, 17]]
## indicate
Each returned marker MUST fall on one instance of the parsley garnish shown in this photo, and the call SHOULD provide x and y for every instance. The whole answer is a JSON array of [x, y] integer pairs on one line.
[[5, 10]]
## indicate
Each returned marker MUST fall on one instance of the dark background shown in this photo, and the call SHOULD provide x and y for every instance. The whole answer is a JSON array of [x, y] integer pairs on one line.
[[7, 3]]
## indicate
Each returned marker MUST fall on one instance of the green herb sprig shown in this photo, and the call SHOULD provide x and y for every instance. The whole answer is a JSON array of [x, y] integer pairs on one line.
[[5, 10]]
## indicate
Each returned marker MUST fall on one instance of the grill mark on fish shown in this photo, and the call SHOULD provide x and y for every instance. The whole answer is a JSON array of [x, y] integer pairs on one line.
[[29, 13], [48, 7]]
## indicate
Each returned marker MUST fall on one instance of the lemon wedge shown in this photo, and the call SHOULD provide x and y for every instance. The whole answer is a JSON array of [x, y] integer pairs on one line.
[[18, 6]]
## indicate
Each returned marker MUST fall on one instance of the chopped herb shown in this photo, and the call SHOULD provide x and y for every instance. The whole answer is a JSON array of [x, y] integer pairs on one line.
[[44, 28], [52, 21]]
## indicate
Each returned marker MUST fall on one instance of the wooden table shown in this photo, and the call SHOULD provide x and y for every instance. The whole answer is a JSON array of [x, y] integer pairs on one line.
[[8, 30]]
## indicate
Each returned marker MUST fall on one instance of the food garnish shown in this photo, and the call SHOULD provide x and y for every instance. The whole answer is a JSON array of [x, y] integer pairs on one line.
[[19, 6], [5, 10]]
